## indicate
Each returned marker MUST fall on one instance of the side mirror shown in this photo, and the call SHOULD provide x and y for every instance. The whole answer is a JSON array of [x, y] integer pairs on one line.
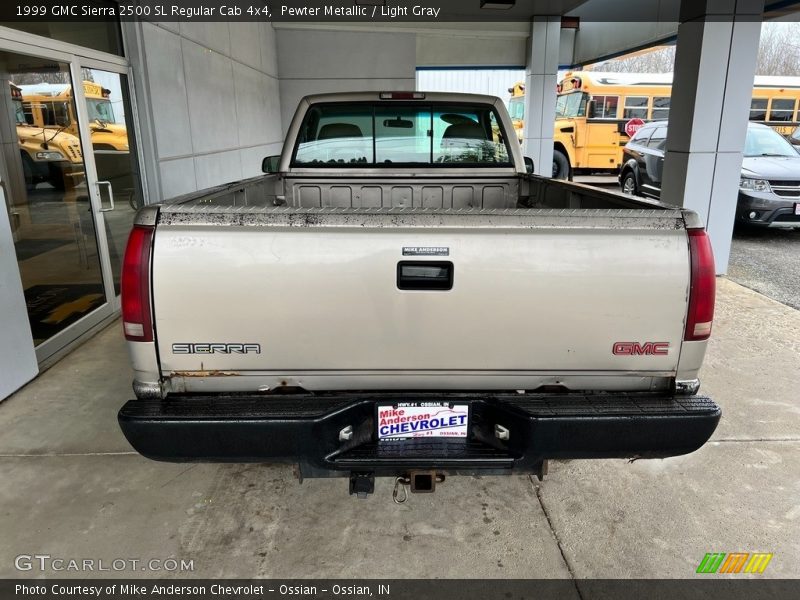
[[590, 109], [528, 164], [270, 164]]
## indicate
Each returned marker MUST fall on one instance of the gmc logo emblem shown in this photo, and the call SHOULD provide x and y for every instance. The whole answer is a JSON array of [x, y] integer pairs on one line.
[[637, 349]]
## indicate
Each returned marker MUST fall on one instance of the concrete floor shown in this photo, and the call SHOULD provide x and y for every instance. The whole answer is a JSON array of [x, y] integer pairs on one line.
[[73, 489]]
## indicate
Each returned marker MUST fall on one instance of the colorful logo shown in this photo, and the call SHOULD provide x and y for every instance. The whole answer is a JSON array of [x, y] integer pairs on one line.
[[735, 562]]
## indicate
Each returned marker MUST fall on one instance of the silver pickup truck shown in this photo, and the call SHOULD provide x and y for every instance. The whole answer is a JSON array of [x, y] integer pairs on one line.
[[400, 296]]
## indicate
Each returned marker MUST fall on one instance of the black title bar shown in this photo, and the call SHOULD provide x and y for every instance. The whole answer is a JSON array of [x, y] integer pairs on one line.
[[357, 11], [704, 587]]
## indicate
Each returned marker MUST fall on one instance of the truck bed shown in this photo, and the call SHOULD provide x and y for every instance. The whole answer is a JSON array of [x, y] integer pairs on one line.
[[445, 191], [539, 297]]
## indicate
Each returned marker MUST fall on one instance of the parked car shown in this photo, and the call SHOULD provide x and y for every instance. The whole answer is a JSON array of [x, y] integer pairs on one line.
[[769, 186], [794, 137]]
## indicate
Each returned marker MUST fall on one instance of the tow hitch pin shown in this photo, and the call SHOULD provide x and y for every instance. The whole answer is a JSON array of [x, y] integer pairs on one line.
[[400, 482]]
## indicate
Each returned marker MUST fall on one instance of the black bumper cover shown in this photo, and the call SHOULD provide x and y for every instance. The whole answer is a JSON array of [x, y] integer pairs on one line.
[[304, 429]]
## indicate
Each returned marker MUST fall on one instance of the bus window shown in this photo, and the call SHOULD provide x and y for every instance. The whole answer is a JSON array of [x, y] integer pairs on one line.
[[781, 110], [55, 114], [561, 105], [660, 108], [571, 105], [516, 108], [635, 107], [605, 107], [758, 109]]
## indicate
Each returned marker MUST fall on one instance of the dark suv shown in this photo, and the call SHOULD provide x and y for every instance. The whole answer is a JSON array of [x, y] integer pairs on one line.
[[769, 186]]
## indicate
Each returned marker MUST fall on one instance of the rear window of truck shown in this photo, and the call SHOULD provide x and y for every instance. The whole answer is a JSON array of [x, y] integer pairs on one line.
[[367, 134]]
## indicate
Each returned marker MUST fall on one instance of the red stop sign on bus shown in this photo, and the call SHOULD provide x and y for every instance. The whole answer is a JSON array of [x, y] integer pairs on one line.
[[632, 126]]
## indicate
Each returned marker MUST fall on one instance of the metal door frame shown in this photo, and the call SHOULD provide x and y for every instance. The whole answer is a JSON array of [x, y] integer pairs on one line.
[[77, 58]]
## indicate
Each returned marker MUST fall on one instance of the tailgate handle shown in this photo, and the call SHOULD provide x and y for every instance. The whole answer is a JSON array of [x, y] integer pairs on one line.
[[424, 275]]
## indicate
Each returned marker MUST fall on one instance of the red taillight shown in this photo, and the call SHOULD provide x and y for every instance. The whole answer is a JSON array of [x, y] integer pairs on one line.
[[703, 286], [402, 95], [136, 319]]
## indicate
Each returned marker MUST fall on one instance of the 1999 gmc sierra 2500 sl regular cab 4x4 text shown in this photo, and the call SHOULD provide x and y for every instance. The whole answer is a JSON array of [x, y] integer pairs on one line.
[[398, 295]]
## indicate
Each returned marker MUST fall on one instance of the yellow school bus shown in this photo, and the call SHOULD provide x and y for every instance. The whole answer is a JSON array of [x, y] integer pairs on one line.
[[516, 108], [48, 154], [594, 108], [596, 111], [51, 105]]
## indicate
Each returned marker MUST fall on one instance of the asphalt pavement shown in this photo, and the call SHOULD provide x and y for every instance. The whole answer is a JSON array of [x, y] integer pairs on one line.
[[768, 261]]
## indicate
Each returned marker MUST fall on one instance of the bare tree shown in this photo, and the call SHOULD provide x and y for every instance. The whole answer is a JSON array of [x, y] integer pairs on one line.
[[48, 76], [658, 60], [778, 54]]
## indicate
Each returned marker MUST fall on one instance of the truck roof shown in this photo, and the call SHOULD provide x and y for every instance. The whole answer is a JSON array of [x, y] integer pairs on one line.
[[401, 95]]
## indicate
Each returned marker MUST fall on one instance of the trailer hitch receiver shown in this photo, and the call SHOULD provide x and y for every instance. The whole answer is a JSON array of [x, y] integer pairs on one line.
[[424, 482]]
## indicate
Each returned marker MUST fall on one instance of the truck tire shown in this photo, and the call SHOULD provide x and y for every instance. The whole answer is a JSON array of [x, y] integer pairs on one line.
[[560, 165]]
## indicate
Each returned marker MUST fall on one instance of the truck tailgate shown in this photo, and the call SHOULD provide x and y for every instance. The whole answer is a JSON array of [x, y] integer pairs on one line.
[[297, 292]]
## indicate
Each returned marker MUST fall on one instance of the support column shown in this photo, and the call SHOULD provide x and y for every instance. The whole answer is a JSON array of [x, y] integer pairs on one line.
[[540, 93], [713, 83]]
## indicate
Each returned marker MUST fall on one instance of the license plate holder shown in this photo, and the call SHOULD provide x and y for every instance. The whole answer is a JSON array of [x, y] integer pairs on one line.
[[409, 420]]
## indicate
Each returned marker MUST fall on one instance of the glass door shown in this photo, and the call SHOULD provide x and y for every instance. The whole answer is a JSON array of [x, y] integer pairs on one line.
[[103, 105], [72, 184], [53, 217]]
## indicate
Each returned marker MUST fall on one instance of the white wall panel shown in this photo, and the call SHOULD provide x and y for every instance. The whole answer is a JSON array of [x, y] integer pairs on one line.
[[251, 158], [249, 88], [212, 101], [212, 35], [213, 94], [268, 45], [167, 79], [220, 167], [177, 177], [246, 42], [319, 61]]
